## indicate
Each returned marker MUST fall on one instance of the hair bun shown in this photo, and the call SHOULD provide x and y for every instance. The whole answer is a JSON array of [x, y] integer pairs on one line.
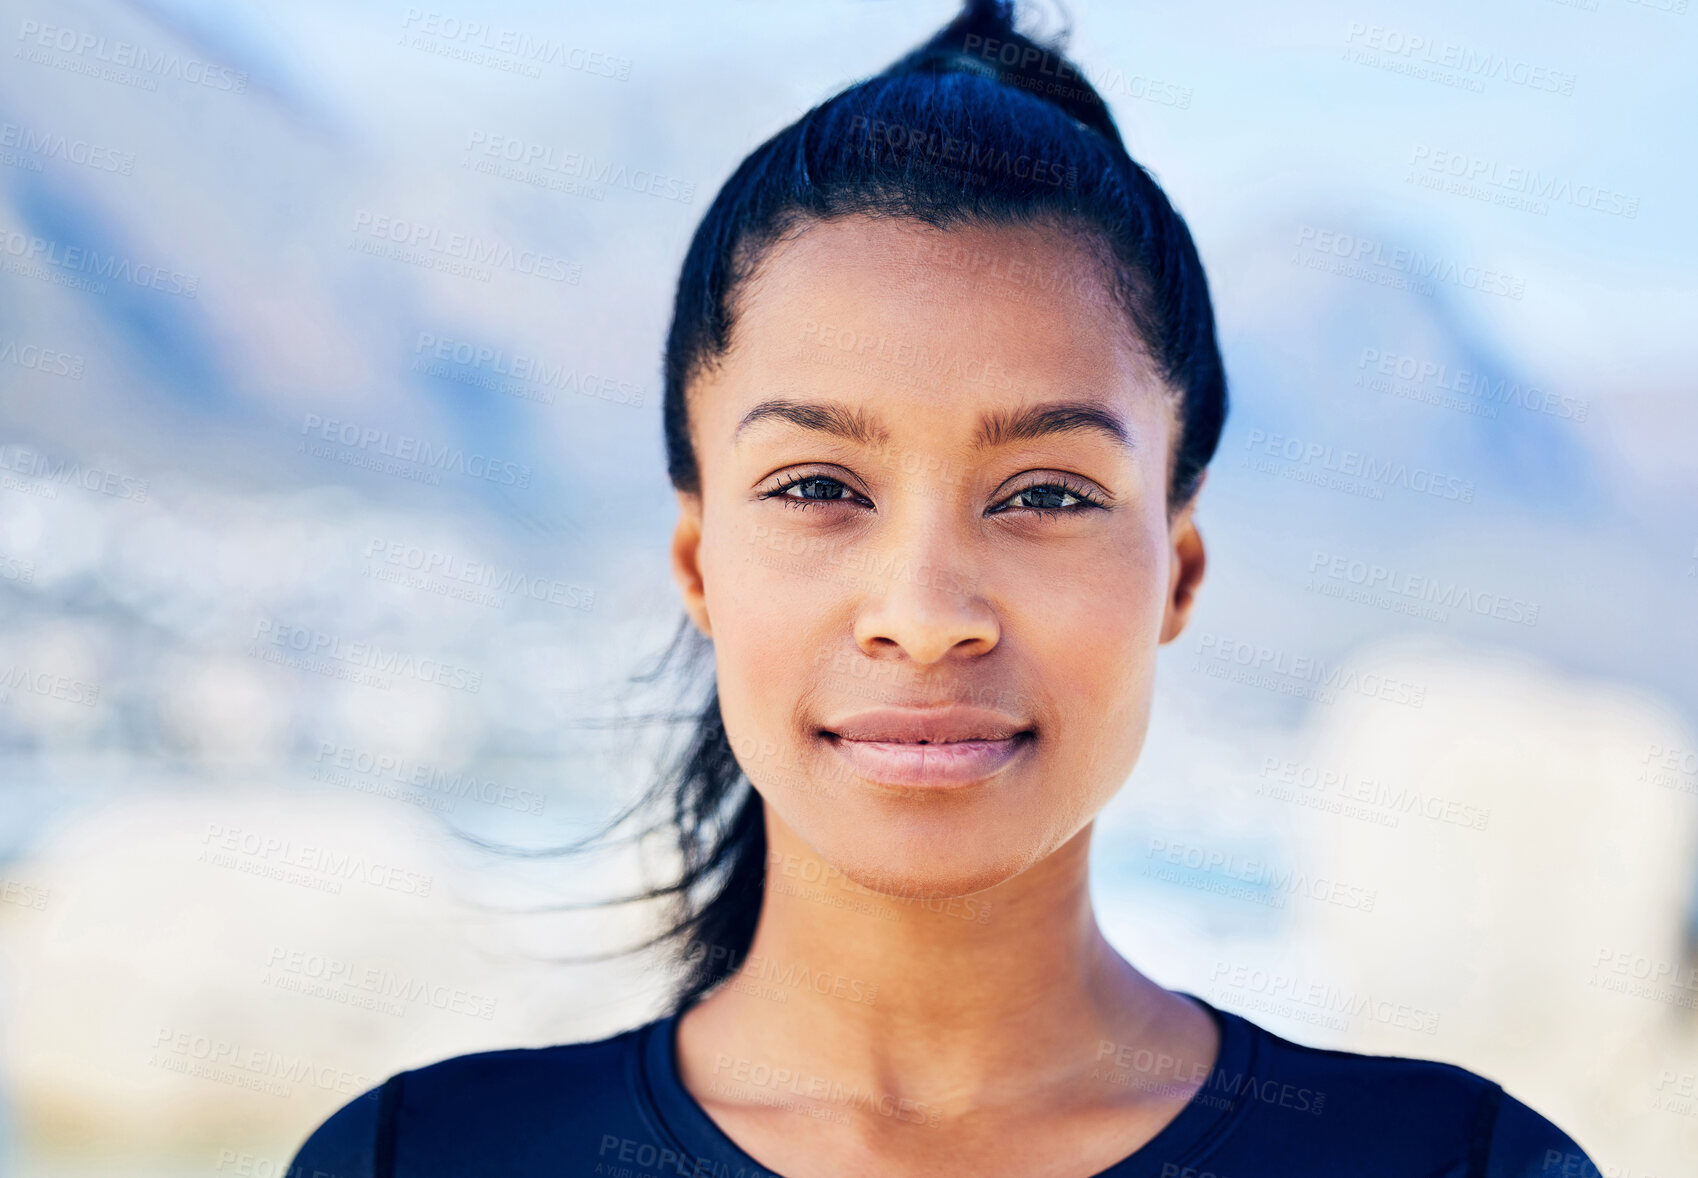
[[982, 40]]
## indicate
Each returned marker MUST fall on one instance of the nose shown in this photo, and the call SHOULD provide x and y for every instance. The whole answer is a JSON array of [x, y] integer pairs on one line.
[[926, 604]]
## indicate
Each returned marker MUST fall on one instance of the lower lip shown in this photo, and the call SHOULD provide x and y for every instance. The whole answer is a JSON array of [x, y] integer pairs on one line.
[[928, 766]]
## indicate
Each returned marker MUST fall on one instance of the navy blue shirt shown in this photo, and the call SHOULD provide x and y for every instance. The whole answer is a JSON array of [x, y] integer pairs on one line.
[[1270, 1108]]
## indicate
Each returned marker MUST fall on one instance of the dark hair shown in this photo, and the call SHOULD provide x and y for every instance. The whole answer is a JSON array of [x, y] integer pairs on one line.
[[979, 125]]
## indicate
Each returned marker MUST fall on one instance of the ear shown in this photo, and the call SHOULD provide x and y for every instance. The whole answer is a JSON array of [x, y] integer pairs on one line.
[[1185, 573], [686, 560]]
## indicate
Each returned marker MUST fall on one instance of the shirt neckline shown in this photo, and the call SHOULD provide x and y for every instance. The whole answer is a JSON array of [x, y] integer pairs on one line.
[[1210, 1113]]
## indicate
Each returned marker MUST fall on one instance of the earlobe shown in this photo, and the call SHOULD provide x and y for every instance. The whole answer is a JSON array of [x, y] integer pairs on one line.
[[1186, 573], [686, 560]]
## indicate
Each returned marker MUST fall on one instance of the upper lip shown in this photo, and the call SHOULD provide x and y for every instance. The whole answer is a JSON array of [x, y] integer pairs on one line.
[[931, 725]]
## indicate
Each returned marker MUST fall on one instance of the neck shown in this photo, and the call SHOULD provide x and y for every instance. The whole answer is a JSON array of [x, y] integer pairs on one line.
[[980, 997]]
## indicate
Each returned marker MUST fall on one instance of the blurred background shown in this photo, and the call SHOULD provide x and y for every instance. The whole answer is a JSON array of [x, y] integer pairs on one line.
[[333, 511]]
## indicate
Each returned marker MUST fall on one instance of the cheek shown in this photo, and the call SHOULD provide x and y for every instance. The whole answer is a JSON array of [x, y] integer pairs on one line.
[[770, 606], [1094, 631], [1101, 604]]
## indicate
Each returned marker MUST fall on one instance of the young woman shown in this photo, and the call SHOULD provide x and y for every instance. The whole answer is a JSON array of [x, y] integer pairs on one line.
[[941, 387]]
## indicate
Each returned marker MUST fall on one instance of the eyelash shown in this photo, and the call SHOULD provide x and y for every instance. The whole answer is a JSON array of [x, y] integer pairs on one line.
[[1087, 500]]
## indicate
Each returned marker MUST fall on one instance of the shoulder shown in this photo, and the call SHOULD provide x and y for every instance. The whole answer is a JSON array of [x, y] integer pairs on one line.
[[1525, 1144], [343, 1145], [521, 1097], [1404, 1107]]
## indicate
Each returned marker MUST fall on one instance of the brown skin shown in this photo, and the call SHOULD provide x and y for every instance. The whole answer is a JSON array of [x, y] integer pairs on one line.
[[969, 911]]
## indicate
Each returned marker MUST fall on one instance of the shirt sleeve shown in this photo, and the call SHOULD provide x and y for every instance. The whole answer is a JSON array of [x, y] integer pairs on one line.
[[1526, 1145], [345, 1145]]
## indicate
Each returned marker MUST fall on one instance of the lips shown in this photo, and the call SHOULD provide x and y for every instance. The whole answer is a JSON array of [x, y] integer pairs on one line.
[[932, 725], [930, 749]]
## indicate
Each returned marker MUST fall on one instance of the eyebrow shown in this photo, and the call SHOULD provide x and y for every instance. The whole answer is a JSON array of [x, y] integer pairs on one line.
[[996, 428]]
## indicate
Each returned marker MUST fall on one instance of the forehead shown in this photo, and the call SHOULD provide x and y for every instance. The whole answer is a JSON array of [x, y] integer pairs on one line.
[[1028, 279], [899, 316]]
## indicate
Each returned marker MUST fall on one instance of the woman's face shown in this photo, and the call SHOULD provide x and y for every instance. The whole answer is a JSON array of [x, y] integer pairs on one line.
[[933, 508]]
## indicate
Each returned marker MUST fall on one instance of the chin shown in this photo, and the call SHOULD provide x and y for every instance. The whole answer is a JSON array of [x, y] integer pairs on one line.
[[916, 842], [917, 858], [922, 880]]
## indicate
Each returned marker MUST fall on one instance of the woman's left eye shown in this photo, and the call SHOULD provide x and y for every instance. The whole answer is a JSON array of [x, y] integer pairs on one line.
[[1053, 497]]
